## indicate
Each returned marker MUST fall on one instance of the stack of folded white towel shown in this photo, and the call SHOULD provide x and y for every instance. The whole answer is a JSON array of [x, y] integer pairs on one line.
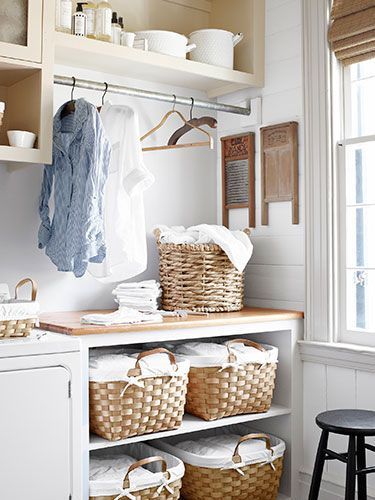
[[138, 303], [142, 296]]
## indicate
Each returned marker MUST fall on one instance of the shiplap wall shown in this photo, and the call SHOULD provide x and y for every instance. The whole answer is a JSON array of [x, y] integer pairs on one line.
[[275, 276], [328, 387]]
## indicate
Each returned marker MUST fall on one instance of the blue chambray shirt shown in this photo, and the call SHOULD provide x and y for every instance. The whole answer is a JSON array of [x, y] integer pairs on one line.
[[81, 157]]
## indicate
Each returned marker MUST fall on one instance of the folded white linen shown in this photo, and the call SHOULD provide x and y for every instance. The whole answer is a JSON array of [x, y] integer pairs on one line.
[[236, 244], [115, 367], [147, 284], [215, 448], [142, 296], [204, 354], [16, 310], [123, 316], [108, 469]]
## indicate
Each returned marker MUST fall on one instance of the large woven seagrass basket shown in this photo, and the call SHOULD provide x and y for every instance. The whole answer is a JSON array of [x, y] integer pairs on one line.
[[199, 277]]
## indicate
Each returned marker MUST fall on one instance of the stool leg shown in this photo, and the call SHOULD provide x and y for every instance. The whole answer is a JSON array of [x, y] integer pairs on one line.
[[350, 471], [319, 466], [361, 464]]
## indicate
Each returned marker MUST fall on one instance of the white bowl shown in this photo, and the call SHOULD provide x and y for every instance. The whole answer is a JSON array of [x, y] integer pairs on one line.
[[21, 139]]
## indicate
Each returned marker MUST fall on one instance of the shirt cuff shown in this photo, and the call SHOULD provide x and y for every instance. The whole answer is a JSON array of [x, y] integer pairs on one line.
[[44, 235]]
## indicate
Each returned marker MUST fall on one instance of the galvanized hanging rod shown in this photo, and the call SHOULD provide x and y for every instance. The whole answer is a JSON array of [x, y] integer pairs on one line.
[[147, 94]]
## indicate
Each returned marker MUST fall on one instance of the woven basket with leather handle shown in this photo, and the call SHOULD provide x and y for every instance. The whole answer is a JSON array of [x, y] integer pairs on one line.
[[199, 277], [119, 410], [257, 481], [21, 327], [218, 392], [148, 493]]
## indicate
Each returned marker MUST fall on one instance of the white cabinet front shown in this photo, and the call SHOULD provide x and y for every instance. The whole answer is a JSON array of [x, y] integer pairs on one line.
[[35, 434]]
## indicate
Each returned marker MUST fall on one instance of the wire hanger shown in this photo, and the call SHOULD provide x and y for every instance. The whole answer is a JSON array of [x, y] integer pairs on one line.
[[103, 96], [208, 143], [197, 122], [70, 106]]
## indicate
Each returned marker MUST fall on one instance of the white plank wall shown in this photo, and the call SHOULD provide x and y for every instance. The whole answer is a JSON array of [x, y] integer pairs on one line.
[[275, 276], [328, 388]]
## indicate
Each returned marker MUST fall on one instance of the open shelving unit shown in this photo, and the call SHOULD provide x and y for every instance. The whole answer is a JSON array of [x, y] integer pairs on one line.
[[26, 86], [282, 329], [30, 67], [150, 66], [183, 16], [190, 424]]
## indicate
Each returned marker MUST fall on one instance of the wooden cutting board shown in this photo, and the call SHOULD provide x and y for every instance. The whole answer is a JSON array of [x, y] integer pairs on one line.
[[69, 323]]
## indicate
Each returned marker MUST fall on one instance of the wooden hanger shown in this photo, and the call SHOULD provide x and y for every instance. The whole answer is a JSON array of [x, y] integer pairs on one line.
[[209, 143], [197, 122], [70, 106]]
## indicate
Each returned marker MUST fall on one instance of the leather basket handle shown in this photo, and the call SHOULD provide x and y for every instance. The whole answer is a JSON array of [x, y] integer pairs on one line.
[[159, 350], [34, 288], [246, 342], [141, 463], [237, 457]]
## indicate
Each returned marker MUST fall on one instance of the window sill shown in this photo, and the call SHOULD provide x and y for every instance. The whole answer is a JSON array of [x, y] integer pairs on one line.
[[352, 356]]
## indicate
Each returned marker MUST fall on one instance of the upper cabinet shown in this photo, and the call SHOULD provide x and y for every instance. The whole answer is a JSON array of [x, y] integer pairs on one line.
[[21, 29], [26, 77]]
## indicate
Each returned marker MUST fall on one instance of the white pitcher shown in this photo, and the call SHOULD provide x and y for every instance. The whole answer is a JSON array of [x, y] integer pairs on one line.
[[214, 47]]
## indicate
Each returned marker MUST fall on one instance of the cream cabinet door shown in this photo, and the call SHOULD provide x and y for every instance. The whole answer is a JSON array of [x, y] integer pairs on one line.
[[35, 440], [21, 28]]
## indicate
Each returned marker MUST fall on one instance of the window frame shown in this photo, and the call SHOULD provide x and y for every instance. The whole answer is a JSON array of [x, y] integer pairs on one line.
[[343, 334], [324, 130]]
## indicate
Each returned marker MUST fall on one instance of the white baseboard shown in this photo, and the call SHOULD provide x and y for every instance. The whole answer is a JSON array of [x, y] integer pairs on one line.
[[330, 488]]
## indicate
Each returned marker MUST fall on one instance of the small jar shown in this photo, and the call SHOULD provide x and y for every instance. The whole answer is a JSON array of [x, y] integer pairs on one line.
[[2, 111]]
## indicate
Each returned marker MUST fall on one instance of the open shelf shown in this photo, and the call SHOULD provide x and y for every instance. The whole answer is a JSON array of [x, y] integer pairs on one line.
[[150, 66], [190, 424], [22, 88]]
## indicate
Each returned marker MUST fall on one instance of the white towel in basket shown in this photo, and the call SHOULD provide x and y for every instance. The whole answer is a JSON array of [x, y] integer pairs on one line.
[[13, 310], [204, 354], [236, 244]]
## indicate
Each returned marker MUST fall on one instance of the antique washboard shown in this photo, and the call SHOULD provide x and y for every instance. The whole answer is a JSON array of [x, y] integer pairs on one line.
[[238, 175]]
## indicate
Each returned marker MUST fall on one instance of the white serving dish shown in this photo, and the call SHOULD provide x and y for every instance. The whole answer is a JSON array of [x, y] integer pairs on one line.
[[214, 47], [21, 139], [166, 42]]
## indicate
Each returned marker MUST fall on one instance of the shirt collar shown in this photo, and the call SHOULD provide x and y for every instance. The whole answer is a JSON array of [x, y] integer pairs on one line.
[[82, 110]]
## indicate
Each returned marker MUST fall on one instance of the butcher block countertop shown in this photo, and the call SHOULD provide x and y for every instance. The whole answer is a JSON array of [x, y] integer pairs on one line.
[[69, 323]]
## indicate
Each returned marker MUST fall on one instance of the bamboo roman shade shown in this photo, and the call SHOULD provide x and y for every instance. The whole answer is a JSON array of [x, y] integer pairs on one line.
[[352, 30]]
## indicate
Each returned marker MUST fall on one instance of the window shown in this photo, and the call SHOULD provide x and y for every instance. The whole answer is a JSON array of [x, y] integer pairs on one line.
[[356, 178]]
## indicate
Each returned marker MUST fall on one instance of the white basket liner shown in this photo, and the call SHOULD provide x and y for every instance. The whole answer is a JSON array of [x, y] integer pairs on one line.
[[114, 367], [15, 310], [206, 354], [214, 448], [108, 469]]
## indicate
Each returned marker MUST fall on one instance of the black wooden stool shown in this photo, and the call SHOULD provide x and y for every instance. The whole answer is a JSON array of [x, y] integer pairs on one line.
[[357, 425]]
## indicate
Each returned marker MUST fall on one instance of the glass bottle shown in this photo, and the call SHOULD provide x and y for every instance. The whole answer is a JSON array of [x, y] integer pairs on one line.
[[103, 21], [116, 30], [64, 10], [90, 10]]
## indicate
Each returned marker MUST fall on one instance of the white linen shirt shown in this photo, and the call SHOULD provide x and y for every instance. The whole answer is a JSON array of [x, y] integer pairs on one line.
[[124, 217]]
